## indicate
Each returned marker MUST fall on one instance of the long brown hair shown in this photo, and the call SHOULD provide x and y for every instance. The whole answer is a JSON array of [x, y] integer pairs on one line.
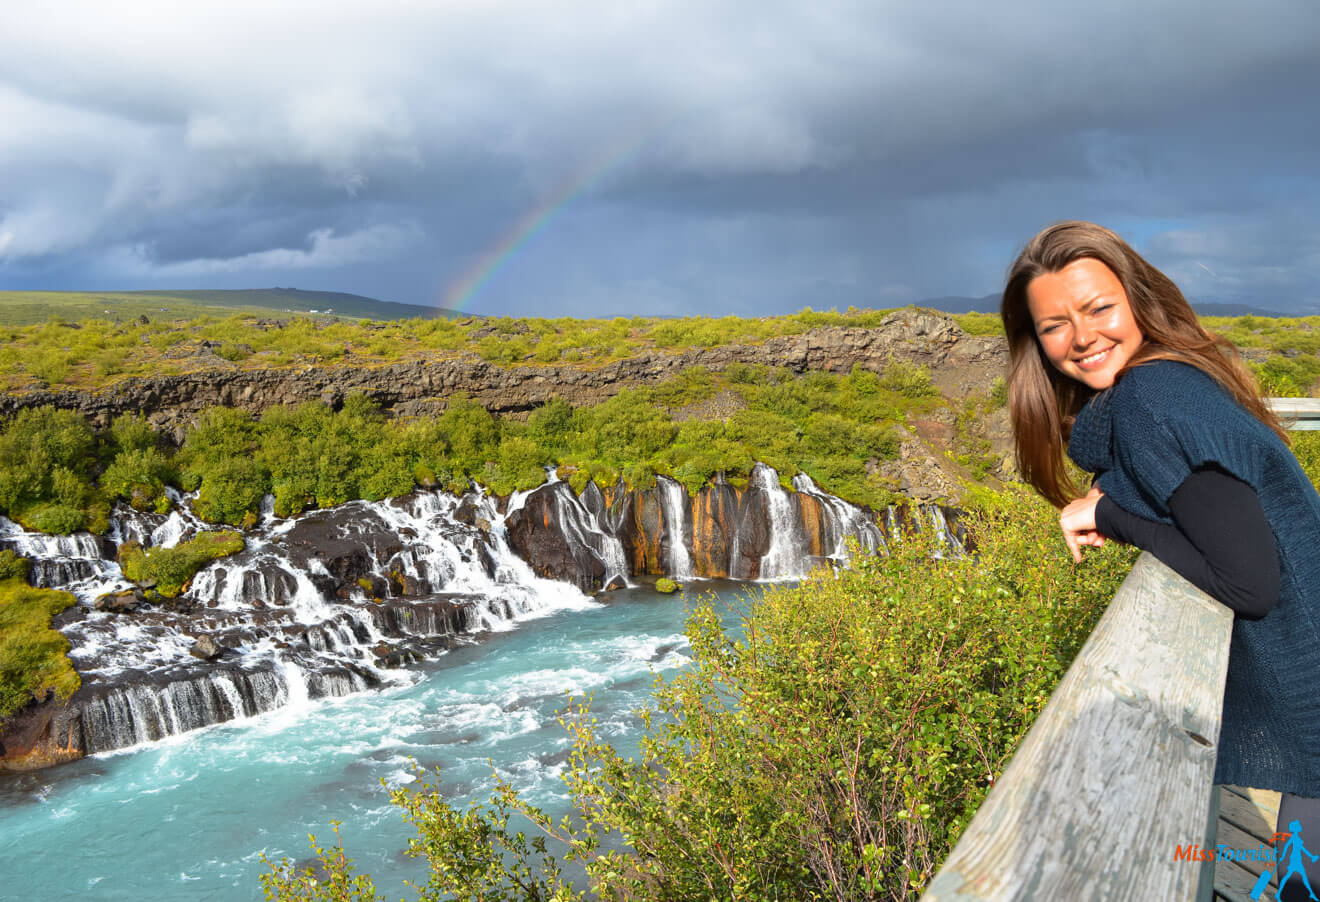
[[1042, 402]]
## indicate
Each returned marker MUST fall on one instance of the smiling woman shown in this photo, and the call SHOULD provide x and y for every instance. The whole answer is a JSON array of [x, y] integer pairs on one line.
[[1190, 465]]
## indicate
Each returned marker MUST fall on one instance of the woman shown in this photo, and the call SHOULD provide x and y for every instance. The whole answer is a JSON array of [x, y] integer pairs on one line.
[[1190, 464]]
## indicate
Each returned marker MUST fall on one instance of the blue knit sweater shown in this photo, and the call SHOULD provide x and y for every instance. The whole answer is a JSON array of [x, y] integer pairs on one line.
[[1143, 437]]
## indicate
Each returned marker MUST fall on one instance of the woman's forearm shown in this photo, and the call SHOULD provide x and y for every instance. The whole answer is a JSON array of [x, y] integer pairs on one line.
[[1222, 542]]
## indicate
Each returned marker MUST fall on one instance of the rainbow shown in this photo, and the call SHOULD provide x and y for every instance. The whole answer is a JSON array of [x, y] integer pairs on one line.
[[461, 291]]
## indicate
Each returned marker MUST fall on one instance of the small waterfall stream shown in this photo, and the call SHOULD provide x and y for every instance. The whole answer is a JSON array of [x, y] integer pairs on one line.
[[842, 521], [784, 559], [678, 531]]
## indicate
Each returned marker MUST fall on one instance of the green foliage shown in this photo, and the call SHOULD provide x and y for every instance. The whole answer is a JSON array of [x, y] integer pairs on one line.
[[693, 384], [908, 379], [12, 566], [169, 569], [832, 747], [971, 448], [1282, 334], [1288, 377], [980, 323], [231, 490], [666, 585], [1306, 445], [139, 476], [130, 432], [47, 462], [33, 656]]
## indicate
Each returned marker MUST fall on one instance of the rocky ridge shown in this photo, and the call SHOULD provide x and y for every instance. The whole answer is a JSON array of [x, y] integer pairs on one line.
[[960, 363]]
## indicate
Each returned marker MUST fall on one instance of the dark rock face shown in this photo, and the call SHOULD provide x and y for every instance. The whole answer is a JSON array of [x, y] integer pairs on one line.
[[40, 735], [537, 533], [643, 534], [752, 536]]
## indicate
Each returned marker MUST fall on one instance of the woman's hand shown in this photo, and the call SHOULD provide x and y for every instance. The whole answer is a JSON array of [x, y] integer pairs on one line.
[[1077, 521]]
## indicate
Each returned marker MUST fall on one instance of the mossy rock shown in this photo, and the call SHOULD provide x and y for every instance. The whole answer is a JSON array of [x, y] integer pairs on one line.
[[666, 585]]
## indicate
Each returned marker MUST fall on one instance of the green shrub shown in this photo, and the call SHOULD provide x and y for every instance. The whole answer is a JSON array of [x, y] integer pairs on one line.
[[980, 323], [139, 476], [231, 490], [55, 519], [12, 566], [168, 570], [47, 461], [1289, 377], [33, 656], [131, 432], [908, 379]]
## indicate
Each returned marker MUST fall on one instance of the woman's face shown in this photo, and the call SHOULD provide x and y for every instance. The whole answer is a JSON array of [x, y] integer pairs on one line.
[[1084, 322]]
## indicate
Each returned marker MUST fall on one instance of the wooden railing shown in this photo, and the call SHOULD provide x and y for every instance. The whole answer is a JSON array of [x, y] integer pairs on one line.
[[1298, 413], [1116, 772]]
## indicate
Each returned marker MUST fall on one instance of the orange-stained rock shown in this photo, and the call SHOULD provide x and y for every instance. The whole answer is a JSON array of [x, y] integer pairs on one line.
[[40, 735], [644, 534], [714, 519], [813, 518]]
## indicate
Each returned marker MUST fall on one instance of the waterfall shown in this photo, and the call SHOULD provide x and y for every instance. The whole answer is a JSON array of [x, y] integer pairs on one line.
[[313, 607], [333, 601], [947, 538], [582, 529], [80, 563], [678, 562], [843, 521], [783, 558]]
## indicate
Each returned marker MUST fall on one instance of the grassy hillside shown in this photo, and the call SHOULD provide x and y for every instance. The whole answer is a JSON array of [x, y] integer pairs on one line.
[[23, 308]]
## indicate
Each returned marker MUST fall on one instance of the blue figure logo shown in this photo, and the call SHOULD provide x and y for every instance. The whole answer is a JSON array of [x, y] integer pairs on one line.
[[1292, 851]]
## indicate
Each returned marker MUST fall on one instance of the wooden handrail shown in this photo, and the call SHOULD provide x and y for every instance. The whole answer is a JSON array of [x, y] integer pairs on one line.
[[1298, 413], [1116, 772]]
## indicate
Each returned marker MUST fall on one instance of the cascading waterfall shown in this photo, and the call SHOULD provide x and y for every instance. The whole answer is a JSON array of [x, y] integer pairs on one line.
[[678, 562], [315, 606], [75, 563], [946, 536], [784, 558], [333, 601], [843, 521], [583, 528]]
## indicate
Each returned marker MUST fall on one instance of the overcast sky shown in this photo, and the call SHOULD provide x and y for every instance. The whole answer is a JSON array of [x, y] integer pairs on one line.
[[654, 156]]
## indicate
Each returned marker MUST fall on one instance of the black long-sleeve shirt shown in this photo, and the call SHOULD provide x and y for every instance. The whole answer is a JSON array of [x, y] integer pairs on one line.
[[1222, 543]]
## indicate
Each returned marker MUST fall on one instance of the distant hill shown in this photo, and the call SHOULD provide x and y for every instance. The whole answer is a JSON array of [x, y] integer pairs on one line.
[[1206, 308], [298, 300], [953, 304], [990, 304], [27, 307]]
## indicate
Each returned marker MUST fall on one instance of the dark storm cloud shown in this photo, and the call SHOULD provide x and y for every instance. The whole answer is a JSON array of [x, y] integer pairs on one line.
[[716, 156]]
